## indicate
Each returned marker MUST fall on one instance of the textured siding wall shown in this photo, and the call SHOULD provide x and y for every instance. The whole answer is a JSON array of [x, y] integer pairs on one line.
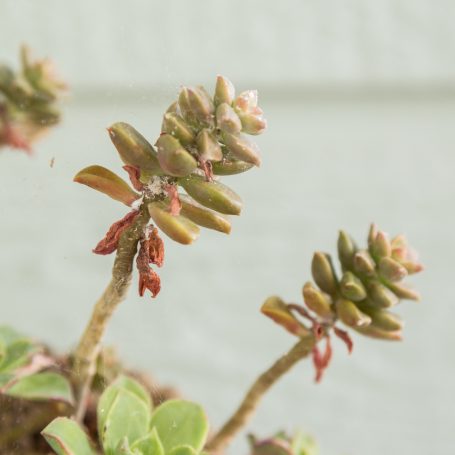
[[307, 42]]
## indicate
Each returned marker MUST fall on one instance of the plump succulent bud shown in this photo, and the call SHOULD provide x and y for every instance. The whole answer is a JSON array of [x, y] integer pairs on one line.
[[227, 120], [195, 104], [177, 127], [352, 288], [380, 246], [208, 146], [317, 301], [102, 179], [391, 270], [381, 296], [133, 148], [324, 273], [242, 148], [204, 217], [213, 195], [350, 314], [231, 167], [346, 250], [253, 124], [372, 233], [177, 227], [403, 291], [382, 319], [247, 101], [224, 91], [173, 158], [364, 263], [375, 332], [277, 310]]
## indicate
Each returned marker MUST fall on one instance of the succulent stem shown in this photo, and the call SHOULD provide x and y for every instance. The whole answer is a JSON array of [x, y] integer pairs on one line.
[[254, 395], [86, 352]]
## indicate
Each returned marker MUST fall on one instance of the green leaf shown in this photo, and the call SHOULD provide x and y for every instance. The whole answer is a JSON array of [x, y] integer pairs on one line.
[[180, 422], [150, 444], [124, 449], [121, 414], [66, 437], [127, 383], [183, 450], [17, 354], [42, 386], [110, 394], [2, 351]]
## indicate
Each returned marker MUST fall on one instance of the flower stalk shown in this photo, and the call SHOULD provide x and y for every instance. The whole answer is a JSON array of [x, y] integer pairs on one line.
[[260, 387], [88, 347]]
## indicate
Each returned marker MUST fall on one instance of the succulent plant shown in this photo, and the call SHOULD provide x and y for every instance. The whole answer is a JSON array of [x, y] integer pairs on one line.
[[28, 101], [127, 424], [21, 370], [361, 297], [201, 136], [283, 444]]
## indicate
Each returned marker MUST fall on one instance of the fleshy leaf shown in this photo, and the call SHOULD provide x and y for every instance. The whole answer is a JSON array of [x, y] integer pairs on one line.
[[213, 195], [178, 228], [180, 422], [182, 450], [105, 181], [204, 217], [42, 386], [125, 397], [150, 444], [277, 310], [66, 437], [17, 355], [133, 148]]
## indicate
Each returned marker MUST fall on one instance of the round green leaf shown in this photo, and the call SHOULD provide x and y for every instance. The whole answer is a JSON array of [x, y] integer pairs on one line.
[[180, 422]]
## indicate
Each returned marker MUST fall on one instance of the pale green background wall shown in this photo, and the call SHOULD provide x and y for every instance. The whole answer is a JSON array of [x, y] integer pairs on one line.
[[360, 97]]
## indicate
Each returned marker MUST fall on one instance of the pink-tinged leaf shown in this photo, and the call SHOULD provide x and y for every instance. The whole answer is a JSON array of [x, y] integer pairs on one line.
[[174, 202], [105, 181], [345, 337], [110, 241], [134, 173]]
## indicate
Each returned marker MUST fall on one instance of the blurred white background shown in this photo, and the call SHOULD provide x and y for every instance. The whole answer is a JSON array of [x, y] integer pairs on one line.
[[360, 98]]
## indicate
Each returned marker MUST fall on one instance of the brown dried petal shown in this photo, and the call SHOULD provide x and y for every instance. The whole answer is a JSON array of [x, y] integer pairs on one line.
[[148, 278], [110, 241], [154, 247]]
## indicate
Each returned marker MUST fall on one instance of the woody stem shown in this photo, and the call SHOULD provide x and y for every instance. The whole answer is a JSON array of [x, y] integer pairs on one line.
[[247, 407], [87, 350]]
